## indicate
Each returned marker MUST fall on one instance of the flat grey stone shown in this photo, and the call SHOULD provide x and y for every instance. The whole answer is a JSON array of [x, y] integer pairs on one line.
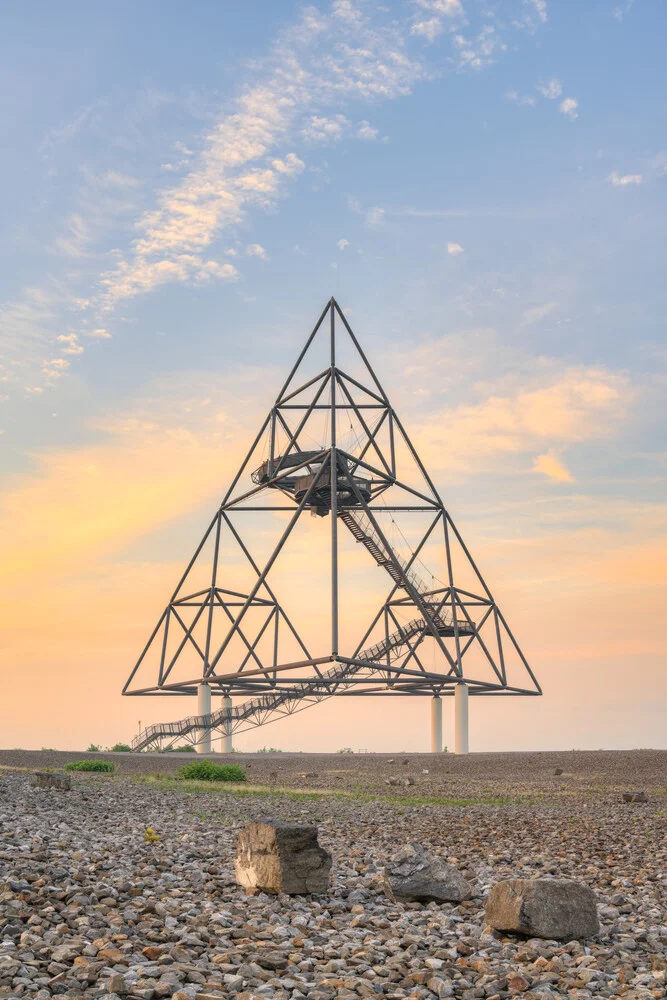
[[416, 876]]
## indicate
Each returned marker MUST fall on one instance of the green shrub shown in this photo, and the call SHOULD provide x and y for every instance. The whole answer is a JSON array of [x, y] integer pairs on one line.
[[121, 748], [184, 748], [93, 748], [91, 765], [206, 770]]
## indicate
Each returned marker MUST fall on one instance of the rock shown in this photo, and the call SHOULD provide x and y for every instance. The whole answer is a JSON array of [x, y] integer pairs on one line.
[[42, 779], [391, 781], [635, 797], [557, 909], [415, 875], [407, 782], [281, 857], [559, 770], [116, 983]]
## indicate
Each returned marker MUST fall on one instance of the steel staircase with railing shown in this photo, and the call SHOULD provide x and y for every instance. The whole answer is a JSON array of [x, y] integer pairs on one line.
[[311, 691]]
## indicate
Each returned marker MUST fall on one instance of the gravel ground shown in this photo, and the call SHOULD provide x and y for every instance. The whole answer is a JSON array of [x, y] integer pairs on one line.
[[597, 774], [88, 908]]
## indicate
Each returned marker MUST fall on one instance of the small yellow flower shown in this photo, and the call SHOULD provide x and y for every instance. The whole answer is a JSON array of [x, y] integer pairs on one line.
[[150, 836]]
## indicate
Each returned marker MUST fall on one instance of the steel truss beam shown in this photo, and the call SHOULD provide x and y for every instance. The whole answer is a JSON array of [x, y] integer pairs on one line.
[[348, 486]]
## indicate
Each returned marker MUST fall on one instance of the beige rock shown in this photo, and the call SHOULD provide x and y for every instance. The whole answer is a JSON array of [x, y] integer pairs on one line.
[[281, 857]]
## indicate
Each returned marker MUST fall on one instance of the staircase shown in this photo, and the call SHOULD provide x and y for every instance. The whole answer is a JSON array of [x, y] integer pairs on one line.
[[312, 690]]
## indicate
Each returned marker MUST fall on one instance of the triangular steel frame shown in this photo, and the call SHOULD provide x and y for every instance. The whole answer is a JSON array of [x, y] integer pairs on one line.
[[348, 486]]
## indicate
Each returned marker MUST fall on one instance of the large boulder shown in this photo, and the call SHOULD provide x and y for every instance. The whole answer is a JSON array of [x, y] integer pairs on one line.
[[558, 909], [416, 876], [281, 857], [44, 779]]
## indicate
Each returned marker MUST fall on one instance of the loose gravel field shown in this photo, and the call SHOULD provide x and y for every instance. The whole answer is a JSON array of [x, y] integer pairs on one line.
[[88, 907]]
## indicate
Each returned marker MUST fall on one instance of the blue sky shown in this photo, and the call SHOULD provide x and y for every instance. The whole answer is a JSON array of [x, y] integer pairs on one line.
[[481, 186]]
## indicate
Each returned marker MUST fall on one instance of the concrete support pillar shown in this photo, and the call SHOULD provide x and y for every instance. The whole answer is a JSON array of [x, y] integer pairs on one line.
[[204, 708], [461, 718], [436, 724], [226, 741]]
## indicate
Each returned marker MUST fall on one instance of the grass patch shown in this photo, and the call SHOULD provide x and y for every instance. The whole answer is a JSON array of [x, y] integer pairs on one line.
[[175, 783], [91, 765], [206, 770]]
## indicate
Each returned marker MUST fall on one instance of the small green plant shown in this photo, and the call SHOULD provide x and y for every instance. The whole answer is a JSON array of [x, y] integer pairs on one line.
[[184, 748], [269, 750], [93, 748], [121, 748], [91, 765], [206, 770], [150, 836], [345, 750]]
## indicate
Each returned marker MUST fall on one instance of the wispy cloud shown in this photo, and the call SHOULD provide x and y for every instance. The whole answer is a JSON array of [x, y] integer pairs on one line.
[[551, 89], [341, 244], [256, 250], [375, 216], [523, 101], [537, 313], [624, 180], [453, 249], [569, 107], [328, 61], [579, 405], [550, 465]]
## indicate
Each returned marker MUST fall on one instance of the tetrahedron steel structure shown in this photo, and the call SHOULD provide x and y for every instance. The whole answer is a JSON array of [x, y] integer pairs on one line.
[[331, 567]]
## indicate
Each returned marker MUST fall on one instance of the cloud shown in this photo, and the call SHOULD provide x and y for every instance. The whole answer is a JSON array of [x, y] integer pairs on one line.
[[521, 101], [256, 250], [366, 131], [539, 9], [53, 369], [71, 342], [152, 464], [479, 51], [375, 216], [98, 332], [622, 10], [321, 129], [429, 28], [329, 59], [322, 59], [624, 180], [549, 465], [290, 166], [74, 242], [341, 244], [551, 89], [569, 107], [537, 313], [579, 405], [454, 248]]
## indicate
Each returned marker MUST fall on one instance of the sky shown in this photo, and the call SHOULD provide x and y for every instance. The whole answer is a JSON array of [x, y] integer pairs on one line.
[[481, 185]]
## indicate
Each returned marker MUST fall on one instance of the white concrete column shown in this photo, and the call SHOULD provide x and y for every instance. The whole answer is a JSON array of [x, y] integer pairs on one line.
[[461, 718], [204, 708], [436, 724], [226, 741]]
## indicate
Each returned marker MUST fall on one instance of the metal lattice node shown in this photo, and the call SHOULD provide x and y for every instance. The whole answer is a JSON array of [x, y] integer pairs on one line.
[[236, 635]]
